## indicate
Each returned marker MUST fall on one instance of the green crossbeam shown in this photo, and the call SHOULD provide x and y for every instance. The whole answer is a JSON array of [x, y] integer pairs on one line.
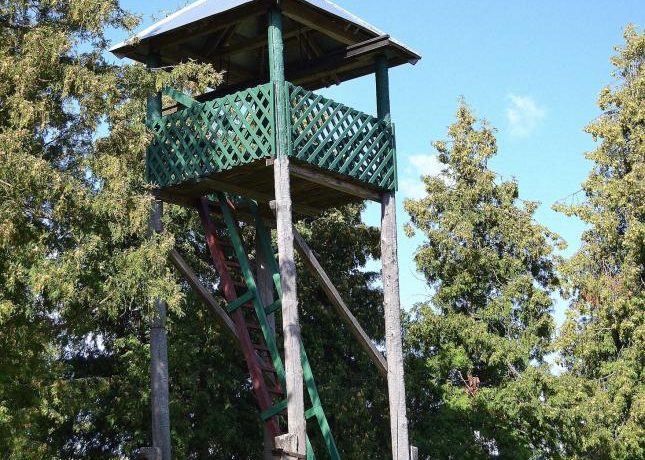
[[275, 306], [231, 307]]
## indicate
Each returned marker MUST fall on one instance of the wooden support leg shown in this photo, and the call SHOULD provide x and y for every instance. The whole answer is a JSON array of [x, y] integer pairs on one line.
[[290, 323], [393, 345], [290, 320], [265, 290], [159, 364], [393, 340]]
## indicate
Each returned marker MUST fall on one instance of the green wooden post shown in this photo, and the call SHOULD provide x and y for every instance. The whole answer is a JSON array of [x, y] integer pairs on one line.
[[154, 100], [382, 89], [392, 299], [290, 322], [158, 338]]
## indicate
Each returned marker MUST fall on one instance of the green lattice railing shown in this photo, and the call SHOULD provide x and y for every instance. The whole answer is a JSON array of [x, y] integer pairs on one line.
[[210, 137], [338, 138]]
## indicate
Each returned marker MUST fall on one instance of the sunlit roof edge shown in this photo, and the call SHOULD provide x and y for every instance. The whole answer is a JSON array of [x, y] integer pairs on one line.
[[183, 18]]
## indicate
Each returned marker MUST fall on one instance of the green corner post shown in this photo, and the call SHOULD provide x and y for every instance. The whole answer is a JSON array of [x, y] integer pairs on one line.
[[290, 321], [158, 339], [392, 298]]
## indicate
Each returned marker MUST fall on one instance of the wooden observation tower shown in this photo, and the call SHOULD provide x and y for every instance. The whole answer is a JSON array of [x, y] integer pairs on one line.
[[266, 149]]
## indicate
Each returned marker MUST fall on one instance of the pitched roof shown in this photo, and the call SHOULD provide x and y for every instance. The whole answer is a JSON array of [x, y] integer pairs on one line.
[[333, 26]]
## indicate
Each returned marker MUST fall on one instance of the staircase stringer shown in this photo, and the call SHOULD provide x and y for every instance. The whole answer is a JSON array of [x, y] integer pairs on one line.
[[259, 386], [262, 232]]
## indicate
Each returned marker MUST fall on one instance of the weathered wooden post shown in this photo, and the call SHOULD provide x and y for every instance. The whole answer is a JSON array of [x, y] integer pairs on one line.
[[290, 321], [265, 290], [390, 270], [212, 152], [158, 339]]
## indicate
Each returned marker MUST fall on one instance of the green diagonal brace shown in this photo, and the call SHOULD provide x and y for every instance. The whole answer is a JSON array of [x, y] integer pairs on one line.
[[183, 98]]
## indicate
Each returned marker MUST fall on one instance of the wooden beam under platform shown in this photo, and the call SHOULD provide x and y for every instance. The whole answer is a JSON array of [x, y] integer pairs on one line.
[[312, 175], [224, 186]]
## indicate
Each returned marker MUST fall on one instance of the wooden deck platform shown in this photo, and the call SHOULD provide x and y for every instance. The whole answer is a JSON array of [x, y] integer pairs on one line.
[[313, 190]]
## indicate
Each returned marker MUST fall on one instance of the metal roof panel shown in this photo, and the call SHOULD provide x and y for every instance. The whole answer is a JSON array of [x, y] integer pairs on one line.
[[203, 9]]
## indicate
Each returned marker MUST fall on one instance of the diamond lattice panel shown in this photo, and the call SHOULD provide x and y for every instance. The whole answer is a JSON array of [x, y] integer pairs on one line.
[[338, 138], [211, 137]]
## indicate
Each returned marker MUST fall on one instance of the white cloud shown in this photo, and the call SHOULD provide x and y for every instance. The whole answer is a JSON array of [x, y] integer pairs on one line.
[[412, 189], [523, 115], [419, 165], [426, 165]]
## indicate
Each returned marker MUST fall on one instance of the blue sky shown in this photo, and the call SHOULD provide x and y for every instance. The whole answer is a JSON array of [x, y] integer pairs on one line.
[[532, 69]]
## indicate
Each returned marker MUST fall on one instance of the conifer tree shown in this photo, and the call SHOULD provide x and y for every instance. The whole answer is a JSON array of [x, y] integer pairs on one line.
[[603, 340], [476, 350], [77, 270]]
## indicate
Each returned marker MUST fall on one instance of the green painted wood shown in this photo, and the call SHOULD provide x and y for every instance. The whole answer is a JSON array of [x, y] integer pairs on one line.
[[153, 112], [384, 113], [231, 307], [311, 412], [182, 98], [249, 279], [382, 89], [263, 234], [319, 412], [276, 73], [274, 307], [211, 137], [338, 138], [275, 410], [238, 129]]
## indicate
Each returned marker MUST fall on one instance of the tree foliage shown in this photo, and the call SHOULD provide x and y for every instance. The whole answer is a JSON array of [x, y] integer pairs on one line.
[[79, 271], [603, 341], [476, 351]]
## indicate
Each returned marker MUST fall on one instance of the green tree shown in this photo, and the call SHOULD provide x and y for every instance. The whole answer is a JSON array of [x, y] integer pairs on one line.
[[476, 351], [78, 271], [603, 340]]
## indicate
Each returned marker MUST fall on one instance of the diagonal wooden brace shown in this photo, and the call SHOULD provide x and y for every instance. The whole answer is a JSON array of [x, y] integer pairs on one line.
[[191, 277], [337, 301]]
